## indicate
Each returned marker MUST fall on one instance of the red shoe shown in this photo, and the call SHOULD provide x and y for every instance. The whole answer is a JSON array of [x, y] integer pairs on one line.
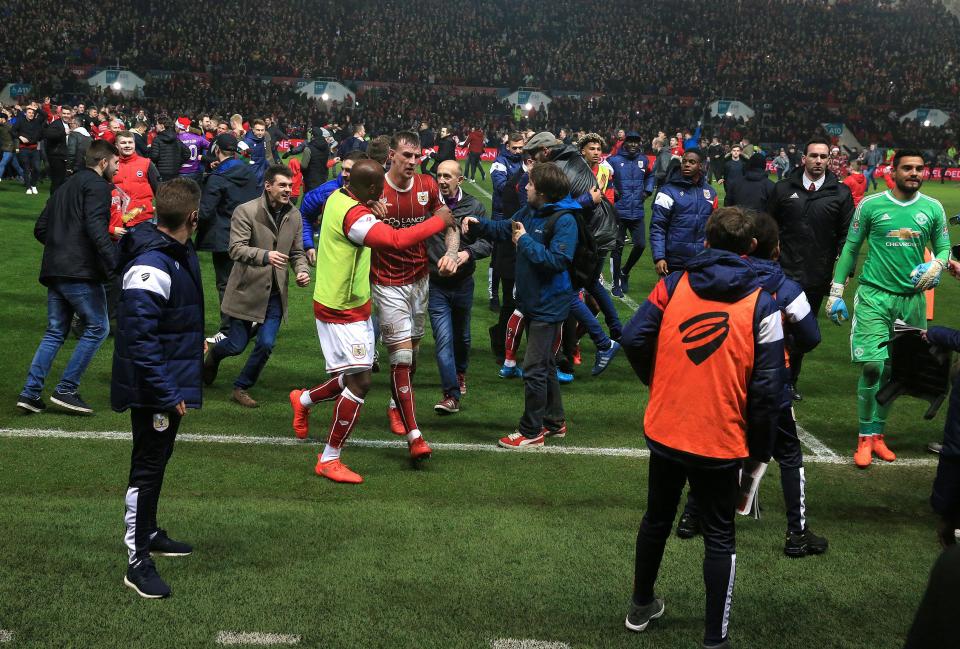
[[462, 381], [419, 449], [337, 471], [863, 457], [577, 359], [518, 442], [881, 451], [396, 421], [559, 433], [301, 415]]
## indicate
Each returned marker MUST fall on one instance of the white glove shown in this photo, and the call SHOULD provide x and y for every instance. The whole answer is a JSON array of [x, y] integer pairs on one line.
[[836, 308], [927, 275]]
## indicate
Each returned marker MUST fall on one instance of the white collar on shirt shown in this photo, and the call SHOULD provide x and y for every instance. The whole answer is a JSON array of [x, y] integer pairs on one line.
[[817, 184]]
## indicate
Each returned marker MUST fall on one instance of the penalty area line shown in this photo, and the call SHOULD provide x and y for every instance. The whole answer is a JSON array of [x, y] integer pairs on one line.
[[439, 446], [255, 638]]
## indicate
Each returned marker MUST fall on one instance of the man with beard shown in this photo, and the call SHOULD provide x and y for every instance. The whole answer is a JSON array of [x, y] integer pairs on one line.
[[897, 225]]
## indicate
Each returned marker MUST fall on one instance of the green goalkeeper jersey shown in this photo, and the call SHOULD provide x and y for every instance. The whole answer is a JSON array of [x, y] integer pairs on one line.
[[896, 234]]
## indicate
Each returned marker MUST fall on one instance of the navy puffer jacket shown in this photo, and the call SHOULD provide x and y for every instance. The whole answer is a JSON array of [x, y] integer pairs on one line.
[[632, 181], [678, 226], [158, 352]]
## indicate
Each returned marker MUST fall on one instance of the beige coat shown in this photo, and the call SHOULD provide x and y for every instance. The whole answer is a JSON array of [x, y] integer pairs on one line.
[[253, 234]]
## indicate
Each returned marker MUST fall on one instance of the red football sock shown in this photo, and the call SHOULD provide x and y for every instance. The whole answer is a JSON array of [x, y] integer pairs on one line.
[[515, 327], [326, 391], [346, 412], [403, 394]]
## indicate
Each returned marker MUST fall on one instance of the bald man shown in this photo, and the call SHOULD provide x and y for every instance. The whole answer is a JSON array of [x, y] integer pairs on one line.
[[450, 298], [350, 228]]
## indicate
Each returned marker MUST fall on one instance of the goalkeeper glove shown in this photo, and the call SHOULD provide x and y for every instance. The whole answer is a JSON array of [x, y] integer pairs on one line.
[[927, 275], [836, 308]]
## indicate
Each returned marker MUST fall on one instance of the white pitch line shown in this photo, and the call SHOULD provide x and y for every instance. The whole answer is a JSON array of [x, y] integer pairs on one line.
[[440, 446], [819, 449], [511, 643], [6, 636], [254, 638], [470, 186], [629, 301]]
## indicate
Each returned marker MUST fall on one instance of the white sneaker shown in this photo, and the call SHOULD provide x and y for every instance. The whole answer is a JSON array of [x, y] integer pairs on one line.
[[213, 340], [34, 190], [28, 192]]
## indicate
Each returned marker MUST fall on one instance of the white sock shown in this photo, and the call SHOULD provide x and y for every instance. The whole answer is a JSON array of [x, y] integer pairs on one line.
[[509, 363], [414, 434], [329, 453], [305, 400], [393, 404]]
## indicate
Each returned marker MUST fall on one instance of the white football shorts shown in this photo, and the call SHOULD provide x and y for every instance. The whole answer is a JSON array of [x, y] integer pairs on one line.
[[402, 310], [347, 347]]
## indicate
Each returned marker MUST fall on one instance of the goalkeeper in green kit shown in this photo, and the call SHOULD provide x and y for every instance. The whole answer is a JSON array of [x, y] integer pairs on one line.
[[896, 224]]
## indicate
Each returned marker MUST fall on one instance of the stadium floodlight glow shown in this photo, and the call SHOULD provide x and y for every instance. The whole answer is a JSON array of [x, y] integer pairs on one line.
[[115, 85], [729, 114], [324, 96], [926, 122], [528, 106]]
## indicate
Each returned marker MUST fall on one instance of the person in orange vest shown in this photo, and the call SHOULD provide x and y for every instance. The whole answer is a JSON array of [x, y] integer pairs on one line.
[[138, 178], [710, 331]]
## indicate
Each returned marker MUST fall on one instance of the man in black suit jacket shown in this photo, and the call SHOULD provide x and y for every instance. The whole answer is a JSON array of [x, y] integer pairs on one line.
[[55, 136]]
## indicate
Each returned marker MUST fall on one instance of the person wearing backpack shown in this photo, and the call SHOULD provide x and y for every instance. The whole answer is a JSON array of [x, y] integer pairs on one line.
[[545, 233]]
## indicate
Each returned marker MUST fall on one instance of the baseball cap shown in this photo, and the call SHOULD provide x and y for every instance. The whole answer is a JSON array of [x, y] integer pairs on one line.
[[541, 140], [226, 142]]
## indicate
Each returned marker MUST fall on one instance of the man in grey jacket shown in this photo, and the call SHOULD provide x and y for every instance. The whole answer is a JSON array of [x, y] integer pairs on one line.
[[451, 296]]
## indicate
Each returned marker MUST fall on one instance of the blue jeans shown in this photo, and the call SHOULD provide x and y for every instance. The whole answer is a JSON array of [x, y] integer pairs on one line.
[[871, 178], [238, 335], [584, 316], [64, 298], [605, 302], [5, 158], [449, 310]]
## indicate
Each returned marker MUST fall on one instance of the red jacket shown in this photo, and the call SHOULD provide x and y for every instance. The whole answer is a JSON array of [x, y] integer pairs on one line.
[[133, 178], [475, 141], [294, 165], [857, 183]]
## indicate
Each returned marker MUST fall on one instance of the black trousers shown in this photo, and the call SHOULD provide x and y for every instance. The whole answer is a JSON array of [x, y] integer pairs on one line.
[[222, 265], [789, 455], [542, 403], [474, 165], [716, 490], [58, 172], [154, 432], [815, 297]]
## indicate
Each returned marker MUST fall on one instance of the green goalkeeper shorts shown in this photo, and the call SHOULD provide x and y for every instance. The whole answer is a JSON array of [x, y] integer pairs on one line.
[[874, 312]]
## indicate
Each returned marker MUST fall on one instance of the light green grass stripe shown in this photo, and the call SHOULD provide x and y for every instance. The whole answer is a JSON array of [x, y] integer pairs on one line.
[[437, 446]]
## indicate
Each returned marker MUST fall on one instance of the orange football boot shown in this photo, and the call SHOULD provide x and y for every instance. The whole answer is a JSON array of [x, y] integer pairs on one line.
[[301, 415], [396, 421], [419, 449], [864, 455], [881, 451], [337, 471]]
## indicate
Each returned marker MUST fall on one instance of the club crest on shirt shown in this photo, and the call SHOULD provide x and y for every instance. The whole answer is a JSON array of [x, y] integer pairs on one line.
[[139, 173], [404, 389], [359, 351], [706, 194], [423, 197], [161, 422], [920, 218]]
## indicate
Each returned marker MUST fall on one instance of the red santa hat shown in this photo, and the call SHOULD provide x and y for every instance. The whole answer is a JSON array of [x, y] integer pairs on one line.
[[183, 123]]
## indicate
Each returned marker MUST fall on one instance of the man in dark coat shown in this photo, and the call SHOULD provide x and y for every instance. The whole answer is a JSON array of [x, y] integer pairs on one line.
[[168, 152], [157, 363], [231, 183], [754, 189], [78, 258], [55, 139]]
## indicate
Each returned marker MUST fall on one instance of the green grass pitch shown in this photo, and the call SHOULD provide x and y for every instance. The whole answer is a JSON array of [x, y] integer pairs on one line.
[[472, 547]]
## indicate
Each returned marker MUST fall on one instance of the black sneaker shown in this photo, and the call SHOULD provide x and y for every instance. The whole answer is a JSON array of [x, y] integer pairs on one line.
[[71, 401], [31, 405], [688, 527], [723, 645], [163, 546], [143, 578], [800, 545], [639, 616], [210, 368], [795, 393], [932, 447]]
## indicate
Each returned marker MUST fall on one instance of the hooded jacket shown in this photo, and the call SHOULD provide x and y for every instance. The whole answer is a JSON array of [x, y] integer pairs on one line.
[[678, 224], [753, 190], [813, 227], [632, 182], [436, 245], [314, 161], [168, 153], [720, 277], [544, 289], [506, 165], [233, 182], [158, 351], [801, 333], [73, 230]]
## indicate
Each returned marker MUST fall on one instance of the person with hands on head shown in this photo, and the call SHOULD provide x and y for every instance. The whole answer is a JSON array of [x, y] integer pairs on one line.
[[157, 367], [545, 235], [711, 331], [265, 238], [897, 225], [342, 303]]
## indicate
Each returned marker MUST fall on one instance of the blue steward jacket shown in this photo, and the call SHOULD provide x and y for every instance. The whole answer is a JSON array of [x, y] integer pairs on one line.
[[632, 182], [678, 224]]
